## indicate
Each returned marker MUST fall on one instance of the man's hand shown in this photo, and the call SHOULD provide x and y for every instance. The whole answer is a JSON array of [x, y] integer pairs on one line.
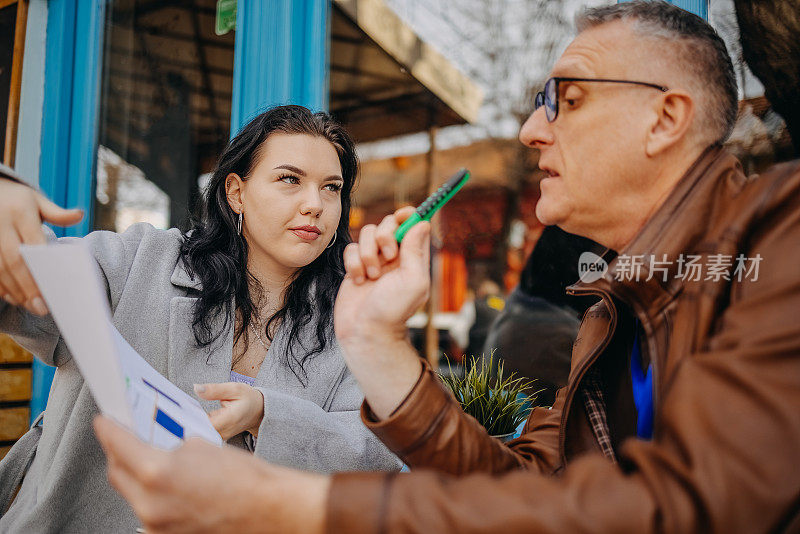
[[22, 211], [242, 407], [385, 284], [202, 488]]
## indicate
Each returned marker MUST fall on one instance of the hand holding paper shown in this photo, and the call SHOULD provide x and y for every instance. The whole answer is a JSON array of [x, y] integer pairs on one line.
[[125, 387]]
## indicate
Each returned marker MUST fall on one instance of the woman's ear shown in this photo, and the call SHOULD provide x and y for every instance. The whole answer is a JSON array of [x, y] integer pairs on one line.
[[234, 187], [673, 121]]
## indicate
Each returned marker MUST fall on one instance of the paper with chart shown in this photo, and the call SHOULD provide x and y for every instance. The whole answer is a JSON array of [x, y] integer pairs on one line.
[[125, 387]]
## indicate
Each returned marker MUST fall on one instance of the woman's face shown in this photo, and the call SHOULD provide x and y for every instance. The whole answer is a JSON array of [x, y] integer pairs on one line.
[[291, 201]]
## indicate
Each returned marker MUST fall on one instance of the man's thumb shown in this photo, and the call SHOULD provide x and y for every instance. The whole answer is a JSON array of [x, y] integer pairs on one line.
[[57, 215], [415, 247]]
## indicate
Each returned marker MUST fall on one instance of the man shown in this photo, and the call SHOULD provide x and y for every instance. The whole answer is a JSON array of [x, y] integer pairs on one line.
[[682, 412]]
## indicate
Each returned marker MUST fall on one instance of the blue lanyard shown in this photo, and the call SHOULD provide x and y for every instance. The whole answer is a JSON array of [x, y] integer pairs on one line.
[[642, 390]]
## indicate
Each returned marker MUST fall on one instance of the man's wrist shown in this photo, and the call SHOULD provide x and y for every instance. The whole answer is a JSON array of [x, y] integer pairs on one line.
[[388, 376], [298, 504], [370, 417], [373, 333], [383, 361]]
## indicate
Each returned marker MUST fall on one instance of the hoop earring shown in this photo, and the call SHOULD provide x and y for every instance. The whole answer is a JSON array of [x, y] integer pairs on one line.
[[239, 224], [332, 241]]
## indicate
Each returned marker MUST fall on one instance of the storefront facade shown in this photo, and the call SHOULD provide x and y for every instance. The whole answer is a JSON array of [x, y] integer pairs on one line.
[[126, 104]]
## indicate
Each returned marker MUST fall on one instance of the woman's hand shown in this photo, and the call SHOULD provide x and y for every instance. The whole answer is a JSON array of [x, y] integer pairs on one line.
[[22, 211], [242, 407]]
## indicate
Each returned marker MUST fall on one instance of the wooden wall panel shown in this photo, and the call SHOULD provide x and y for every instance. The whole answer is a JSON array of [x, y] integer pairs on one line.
[[15, 385], [13, 423], [10, 352]]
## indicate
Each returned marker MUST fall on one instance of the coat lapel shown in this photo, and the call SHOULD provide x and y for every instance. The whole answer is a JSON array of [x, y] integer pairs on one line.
[[191, 364], [324, 371], [188, 362]]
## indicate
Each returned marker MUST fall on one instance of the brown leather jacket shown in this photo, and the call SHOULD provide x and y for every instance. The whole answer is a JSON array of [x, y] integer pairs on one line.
[[725, 455]]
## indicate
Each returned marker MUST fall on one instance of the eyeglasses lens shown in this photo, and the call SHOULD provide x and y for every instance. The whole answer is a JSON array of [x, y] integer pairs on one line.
[[550, 100]]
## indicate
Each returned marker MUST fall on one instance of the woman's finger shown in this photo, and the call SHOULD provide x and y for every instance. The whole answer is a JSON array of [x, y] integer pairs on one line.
[[219, 391], [368, 249]]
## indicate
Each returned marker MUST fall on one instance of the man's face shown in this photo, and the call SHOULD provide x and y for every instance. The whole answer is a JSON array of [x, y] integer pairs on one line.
[[594, 152]]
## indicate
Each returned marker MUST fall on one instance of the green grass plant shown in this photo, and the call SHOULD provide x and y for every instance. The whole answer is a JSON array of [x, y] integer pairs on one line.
[[497, 401]]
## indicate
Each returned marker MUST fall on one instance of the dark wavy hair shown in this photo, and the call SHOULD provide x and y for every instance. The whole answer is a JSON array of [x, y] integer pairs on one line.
[[214, 252]]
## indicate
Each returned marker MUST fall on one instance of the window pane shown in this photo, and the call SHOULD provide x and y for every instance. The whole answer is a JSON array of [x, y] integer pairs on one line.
[[165, 110]]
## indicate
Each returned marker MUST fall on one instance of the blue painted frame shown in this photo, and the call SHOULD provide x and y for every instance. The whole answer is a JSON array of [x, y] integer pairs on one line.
[[69, 126], [698, 7], [281, 56]]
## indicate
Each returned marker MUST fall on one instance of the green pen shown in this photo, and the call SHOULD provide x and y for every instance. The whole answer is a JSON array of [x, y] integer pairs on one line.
[[433, 203]]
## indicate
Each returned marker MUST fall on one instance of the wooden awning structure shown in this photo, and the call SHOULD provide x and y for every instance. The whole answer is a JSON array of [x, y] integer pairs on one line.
[[165, 64], [386, 81]]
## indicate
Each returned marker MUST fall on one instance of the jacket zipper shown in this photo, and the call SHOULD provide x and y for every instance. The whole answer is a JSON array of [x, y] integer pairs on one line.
[[586, 364]]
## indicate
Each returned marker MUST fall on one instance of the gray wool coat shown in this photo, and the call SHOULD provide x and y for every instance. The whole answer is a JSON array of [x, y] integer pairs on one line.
[[61, 465]]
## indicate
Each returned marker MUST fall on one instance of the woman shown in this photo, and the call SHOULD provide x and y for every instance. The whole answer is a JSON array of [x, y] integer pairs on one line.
[[239, 309]]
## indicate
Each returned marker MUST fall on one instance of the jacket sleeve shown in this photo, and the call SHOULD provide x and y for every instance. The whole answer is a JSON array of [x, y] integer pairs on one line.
[[430, 430], [723, 458], [299, 433], [114, 255]]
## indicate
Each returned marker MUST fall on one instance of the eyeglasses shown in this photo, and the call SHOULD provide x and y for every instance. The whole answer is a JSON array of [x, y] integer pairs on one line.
[[549, 97]]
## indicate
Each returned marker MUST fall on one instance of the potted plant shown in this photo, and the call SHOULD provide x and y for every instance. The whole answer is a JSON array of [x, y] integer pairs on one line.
[[496, 401]]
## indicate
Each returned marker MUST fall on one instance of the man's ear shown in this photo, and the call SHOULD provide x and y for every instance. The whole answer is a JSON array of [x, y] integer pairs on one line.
[[234, 187], [673, 120]]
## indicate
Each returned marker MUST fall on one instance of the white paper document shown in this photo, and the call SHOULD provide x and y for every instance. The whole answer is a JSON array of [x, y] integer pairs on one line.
[[125, 387]]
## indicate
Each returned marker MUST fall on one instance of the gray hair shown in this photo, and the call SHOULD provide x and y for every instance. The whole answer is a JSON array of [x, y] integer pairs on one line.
[[699, 51]]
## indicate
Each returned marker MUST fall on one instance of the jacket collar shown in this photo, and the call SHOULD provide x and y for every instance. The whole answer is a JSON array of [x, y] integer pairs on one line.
[[181, 278], [675, 229]]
